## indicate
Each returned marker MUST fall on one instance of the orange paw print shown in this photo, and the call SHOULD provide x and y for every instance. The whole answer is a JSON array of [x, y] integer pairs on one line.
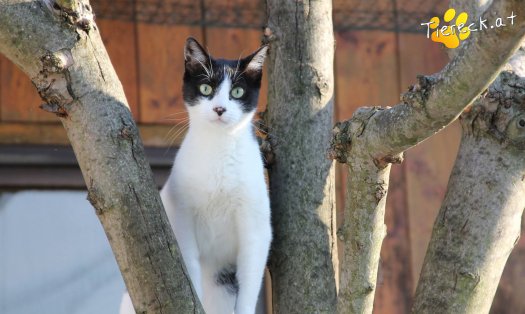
[[451, 35]]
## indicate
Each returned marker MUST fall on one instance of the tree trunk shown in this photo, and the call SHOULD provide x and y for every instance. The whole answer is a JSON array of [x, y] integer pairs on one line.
[[57, 44], [376, 137], [480, 219], [303, 259]]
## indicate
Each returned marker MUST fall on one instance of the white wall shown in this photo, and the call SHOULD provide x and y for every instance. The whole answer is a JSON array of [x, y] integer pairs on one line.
[[54, 256]]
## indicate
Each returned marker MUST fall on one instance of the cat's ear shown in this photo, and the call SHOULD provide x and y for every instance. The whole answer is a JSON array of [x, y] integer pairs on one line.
[[194, 53], [255, 61]]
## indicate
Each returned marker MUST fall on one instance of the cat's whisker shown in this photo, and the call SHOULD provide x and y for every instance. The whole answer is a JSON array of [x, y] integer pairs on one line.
[[235, 78], [167, 135], [177, 113], [179, 132], [205, 69], [171, 138], [174, 128], [211, 65], [174, 119]]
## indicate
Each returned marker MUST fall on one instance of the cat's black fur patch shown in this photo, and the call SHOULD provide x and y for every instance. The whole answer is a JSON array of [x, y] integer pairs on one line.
[[195, 74], [227, 278]]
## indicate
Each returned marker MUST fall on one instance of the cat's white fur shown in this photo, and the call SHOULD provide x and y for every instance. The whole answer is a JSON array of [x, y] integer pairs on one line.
[[217, 203]]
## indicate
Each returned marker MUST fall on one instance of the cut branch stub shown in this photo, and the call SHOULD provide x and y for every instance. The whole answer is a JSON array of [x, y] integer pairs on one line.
[[501, 112], [74, 12], [53, 82], [344, 133], [341, 142], [417, 95]]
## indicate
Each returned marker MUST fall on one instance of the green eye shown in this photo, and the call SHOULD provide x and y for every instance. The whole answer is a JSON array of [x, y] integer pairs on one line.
[[205, 89], [237, 92]]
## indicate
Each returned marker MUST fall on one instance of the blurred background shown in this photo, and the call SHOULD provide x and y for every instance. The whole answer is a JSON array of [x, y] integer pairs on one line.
[[54, 256]]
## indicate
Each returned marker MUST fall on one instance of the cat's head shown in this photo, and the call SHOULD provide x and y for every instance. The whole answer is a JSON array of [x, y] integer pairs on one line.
[[221, 94]]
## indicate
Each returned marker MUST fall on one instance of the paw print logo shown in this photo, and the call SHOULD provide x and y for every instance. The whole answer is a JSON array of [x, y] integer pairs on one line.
[[453, 34]]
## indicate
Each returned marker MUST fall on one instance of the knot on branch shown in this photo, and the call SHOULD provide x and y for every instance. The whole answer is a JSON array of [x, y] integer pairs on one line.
[[381, 163], [53, 82], [381, 191], [346, 132], [500, 112], [73, 12], [95, 198], [417, 95], [264, 139], [57, 62], [129, 132], [466, 280], [341, 141], [268, 36]]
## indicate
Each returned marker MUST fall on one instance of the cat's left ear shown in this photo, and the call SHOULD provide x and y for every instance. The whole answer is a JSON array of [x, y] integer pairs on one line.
[[255, 61]]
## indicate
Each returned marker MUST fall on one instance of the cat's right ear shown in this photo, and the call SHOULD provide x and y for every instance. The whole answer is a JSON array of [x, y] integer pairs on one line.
[[194, 54]]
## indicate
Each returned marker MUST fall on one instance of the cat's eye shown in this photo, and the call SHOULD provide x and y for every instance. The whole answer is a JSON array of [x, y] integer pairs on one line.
[[205, 89], [237, 92]]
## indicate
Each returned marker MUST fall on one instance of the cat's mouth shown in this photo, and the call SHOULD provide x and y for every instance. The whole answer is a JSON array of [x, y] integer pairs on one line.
[[219, 120]]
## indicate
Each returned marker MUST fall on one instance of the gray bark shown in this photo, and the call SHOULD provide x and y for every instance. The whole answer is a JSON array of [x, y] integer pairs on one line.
[[376, 137], [475, 232], [300, 112], [57, 44], [480, 219]]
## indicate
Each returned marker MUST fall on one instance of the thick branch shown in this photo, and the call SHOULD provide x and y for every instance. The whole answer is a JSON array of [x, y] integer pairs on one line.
[[300, 112], [58, 46], [437, 100], [476, 231]]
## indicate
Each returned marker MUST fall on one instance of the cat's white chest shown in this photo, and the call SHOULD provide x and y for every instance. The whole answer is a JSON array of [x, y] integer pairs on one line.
[[216, 212], [214, 189]]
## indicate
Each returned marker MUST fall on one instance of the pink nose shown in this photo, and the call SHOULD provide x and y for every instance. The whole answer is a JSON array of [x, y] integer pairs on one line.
[[219, 110]]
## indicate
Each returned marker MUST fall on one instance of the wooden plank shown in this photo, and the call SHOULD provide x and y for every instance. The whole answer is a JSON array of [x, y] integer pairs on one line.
[[19, 100], [161, 67], [367, 75], [429, 164], [233, 43], [32, 133], [119, 39], [37, 166], [54, 134], [365, 68]]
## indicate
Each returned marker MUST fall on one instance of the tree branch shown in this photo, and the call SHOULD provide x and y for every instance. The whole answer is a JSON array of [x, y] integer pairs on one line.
[[475, 232], [435, 101], [58, 46], [376, 137]]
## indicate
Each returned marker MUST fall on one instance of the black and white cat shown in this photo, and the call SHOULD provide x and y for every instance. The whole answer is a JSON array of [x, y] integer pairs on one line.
[[216, 197]]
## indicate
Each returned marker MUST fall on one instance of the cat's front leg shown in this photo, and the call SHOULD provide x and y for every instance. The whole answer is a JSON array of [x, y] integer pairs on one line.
[[185, 235], [181, 220], [254, 242]]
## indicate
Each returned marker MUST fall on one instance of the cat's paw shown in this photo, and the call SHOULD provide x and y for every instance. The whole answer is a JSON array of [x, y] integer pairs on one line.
[[450, 35]]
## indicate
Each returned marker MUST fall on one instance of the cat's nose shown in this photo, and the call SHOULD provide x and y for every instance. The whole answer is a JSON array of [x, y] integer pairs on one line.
[[219, 110]]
